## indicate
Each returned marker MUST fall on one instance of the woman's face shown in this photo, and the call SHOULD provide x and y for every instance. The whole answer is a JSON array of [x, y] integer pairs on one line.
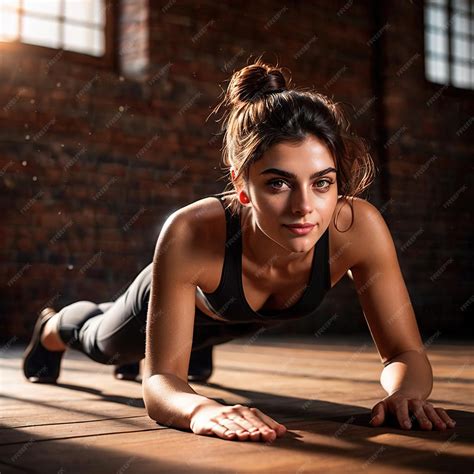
[[284, 189]]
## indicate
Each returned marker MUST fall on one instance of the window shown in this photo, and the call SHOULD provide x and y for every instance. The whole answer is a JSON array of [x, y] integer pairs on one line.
[[72, 25], [449, 49]]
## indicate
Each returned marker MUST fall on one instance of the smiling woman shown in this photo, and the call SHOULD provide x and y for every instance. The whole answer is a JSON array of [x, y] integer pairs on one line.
[[262, 112], [265, 252]]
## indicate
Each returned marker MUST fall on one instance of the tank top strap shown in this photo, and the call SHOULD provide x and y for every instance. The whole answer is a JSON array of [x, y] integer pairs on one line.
[[232, 222]]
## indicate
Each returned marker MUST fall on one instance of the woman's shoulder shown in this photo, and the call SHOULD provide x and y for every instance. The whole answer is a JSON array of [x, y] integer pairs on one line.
[[355, 214], [352, 228], [204, 217], [201, 232], [352, 212], [204, 223]]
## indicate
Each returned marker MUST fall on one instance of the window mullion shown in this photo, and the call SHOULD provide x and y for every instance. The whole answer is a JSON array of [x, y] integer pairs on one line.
[[471, 46], [61, 23], [450, 44], [20, 16]]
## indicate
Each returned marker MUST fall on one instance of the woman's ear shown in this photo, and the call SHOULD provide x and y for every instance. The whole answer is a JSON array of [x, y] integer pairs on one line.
[[241, 193]]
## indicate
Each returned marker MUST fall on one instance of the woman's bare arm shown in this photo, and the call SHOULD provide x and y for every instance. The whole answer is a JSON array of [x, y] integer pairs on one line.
[[407, 376], [168, 398], [380, 286]]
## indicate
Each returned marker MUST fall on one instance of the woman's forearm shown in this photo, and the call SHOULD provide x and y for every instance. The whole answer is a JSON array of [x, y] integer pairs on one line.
[[170, 401], [409, 372]]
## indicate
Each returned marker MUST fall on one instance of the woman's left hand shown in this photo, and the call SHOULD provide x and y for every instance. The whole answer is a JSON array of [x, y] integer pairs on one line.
[[399, 405]]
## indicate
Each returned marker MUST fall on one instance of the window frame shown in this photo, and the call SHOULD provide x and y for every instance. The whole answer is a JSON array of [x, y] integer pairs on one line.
[[107, 61], [448, 89]]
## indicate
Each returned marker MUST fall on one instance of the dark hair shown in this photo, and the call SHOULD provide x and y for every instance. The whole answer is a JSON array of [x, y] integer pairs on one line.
[[263, 111]]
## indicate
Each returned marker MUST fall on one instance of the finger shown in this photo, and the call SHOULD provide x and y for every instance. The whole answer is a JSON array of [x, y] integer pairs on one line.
[[243, 422], [278, 427], [237, 411], [258, 429], [445, 417], [220, 431], [378, 414], [253, 431], [434, 417], [419, 412], [234, 428], [268, 434], [401, 412]]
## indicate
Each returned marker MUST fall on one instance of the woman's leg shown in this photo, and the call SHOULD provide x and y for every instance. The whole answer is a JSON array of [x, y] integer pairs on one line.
[[112, 332]]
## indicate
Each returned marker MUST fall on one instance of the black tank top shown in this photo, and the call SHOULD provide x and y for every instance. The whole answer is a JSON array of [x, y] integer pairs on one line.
[[228, 300]]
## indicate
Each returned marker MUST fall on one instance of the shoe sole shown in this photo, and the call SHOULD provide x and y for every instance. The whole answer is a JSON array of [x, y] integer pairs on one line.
[[202, 368], [45, 315], [197, 378], [126, 376]]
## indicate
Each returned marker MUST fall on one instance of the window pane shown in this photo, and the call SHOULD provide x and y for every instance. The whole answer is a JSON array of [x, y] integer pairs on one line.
[[8, 24], [79, 38], [89, 11], [437, 70], [461, 48], [98, 12], [460, 23], [461, 74], [461, 5], [48, 7], [9, 3], [436, 17], [40, 24], [437, 42], [98, 42], [38, 31]]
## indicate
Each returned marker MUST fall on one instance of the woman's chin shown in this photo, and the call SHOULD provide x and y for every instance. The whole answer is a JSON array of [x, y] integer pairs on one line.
[[299, 244]]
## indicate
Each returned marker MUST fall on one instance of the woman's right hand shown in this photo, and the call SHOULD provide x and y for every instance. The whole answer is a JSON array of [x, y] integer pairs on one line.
[[236, 422]]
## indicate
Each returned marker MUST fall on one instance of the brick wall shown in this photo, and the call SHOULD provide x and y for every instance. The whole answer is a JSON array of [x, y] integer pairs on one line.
[[92, 160], [428, 151]]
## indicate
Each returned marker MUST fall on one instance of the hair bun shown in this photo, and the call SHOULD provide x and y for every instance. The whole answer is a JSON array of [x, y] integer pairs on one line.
[[254, 81]]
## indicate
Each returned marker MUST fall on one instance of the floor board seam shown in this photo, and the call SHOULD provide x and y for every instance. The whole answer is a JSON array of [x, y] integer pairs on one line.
[[72, 422], [86, 436]]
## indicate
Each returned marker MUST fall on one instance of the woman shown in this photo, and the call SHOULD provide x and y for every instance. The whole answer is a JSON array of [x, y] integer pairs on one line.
[[265, 251]]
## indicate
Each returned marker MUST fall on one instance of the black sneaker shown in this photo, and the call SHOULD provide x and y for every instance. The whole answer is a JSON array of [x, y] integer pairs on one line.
[[200, 365], [127, 371], [39, 364]]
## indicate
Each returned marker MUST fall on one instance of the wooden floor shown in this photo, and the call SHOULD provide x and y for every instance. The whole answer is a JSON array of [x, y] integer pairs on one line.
[[321, 390]]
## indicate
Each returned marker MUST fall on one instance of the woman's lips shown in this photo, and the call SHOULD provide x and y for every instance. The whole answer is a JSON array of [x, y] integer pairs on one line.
[[300, 230]]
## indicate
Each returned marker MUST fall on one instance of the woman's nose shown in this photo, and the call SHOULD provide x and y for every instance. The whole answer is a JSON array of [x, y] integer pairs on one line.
[[301, 202]]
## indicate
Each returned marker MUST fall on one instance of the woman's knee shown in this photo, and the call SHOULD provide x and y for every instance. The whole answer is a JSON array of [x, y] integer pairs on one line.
[[122, 348], [105, 306]]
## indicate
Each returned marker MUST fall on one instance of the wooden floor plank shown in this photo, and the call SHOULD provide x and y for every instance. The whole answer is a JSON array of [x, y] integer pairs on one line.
[[323, 393]]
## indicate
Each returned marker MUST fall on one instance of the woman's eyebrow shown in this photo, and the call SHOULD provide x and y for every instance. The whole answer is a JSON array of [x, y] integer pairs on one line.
[[288, 174]]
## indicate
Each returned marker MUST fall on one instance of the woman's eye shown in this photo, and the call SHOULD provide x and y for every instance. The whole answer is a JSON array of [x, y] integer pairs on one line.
[[274, 184], [324, 181], [271, 183]]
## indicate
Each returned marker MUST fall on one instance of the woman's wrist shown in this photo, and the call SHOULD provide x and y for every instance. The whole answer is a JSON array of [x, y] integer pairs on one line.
[[411, 373]]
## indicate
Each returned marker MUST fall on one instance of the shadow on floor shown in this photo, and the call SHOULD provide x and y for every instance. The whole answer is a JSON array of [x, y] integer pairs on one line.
[[330, 419]]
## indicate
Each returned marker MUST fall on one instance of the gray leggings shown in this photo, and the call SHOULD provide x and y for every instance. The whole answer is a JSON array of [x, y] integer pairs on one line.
[[114, 332]]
